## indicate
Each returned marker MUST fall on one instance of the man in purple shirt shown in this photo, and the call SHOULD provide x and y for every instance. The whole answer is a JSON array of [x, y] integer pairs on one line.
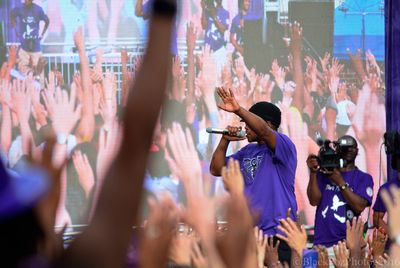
[[379, 207], [215, 21], [29, 16], [338, 194], [236, 32], [268, 163]]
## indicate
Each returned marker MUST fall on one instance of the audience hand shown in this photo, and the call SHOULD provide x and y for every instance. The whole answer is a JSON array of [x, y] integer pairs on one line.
[[271, 252], [341, 255], [295, 237], [232, 177]]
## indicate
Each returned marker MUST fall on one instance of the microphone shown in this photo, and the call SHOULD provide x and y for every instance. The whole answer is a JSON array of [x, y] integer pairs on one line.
[[211, 130]]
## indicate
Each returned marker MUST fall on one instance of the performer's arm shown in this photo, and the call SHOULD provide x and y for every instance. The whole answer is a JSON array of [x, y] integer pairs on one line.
[[219, 157], [378, 220], [46, 24]]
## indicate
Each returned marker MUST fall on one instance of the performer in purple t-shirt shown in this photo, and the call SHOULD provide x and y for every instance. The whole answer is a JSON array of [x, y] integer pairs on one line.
[[268, 163], [215, 21], [29, 16], [339, 195], [379, 207], [236, 32]]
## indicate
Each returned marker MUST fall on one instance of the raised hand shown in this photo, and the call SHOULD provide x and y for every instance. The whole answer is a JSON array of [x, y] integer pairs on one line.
[[296, 35], [46, 209], [65, 113], [377, 242], [357, 63], [279, 73], [84, 171], [261, 244], [229, 102], [184, 158], [232, 177], [341, 255], [323, 257], [325, 61], [79, 39], [295, 237], [354, 234], [180, 249], [198, 258], [158, 233], [393, 209], [191, 36], [21, 100], [271, 252], [5, 92]]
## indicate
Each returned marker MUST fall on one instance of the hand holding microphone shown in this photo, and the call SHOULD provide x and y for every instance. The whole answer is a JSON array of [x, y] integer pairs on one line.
[[230, 133]]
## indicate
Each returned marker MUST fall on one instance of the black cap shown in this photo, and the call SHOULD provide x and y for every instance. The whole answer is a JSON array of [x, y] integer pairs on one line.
[[268, 112]]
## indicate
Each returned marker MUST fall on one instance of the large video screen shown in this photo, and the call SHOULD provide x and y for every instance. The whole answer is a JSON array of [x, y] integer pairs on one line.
[[244, 45]]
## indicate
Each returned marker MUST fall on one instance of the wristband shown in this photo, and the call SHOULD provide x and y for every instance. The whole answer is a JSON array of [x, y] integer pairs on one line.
[[62, 138], [344, 186], [165, 8]]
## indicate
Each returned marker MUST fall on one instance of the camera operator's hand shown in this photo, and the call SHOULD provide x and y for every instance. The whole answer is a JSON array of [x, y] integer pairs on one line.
[[334, 175], [312, 163]]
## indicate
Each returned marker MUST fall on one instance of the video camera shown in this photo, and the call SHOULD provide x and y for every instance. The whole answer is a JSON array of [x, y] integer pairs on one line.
[[392, 147], [329, 155]]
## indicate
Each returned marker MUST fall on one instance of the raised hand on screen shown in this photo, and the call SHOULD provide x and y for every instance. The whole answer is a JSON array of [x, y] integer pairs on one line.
[[85, 171], [65, 113]]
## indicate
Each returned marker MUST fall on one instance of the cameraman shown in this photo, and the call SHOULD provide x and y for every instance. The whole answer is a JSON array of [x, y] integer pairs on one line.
[[339, 194]]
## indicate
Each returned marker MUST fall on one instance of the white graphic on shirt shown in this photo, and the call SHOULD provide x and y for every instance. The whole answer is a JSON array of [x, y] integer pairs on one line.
[[370, 192], [341, 219], [336, 203], [324, 212], [251, 165], [29, 29]]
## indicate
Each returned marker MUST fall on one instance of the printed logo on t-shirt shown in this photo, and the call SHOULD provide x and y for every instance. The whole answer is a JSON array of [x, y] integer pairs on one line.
[[333, 209], [251, 166]]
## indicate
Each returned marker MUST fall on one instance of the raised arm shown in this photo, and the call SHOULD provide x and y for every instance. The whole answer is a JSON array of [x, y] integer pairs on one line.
[[102, 244], [263, 130]]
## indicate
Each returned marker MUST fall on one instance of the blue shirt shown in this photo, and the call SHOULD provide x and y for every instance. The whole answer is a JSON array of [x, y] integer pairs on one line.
[[237, 29], [333, 211], [269, 180], [379, 206], [213, 37], [29, 19]]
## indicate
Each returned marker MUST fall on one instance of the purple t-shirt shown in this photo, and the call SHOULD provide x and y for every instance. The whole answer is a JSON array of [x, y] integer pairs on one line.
[[237, 29], [29, 19], [213, 37], [379, 206], [269, 180], [333, 211], [146, 11]]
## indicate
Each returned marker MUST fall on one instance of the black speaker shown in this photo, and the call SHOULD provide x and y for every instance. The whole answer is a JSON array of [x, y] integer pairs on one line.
[[316, 18], [252, 44]]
